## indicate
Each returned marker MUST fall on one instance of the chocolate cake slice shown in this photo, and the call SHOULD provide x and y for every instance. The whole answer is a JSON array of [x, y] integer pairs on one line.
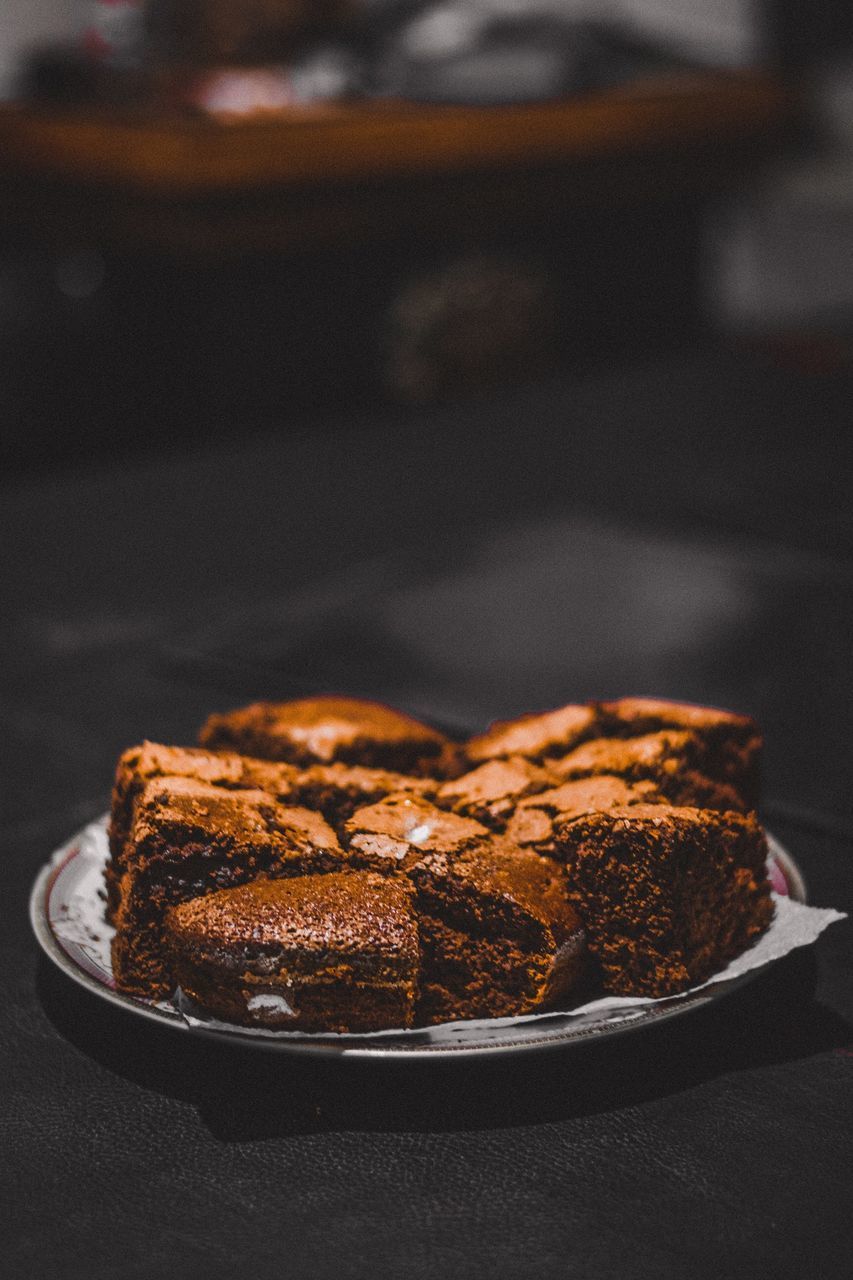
[[151, 760], [490, 792], [535, 821], [668, 895], [732, 743], [316, 953], [141, 764], [550, 733], [322, 730], [499, 936], [673, 759], [189, 839], [395, 833]]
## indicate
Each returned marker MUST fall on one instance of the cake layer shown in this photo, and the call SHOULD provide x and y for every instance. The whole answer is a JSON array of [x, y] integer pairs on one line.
[[316, 953], [322, 730], [668, 895]]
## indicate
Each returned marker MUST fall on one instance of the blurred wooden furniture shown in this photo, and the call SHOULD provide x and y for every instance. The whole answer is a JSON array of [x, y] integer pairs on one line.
[[349, 175]]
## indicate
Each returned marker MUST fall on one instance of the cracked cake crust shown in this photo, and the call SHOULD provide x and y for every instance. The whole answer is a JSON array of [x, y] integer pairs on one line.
[[325, 729]]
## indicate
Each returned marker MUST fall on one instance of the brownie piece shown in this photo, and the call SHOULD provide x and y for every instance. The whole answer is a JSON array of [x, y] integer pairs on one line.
[[337, 790], [396, 833], [189, 839], [150, 760], [533, 824], [490, 792], [139, 765], [499, 936], [142, 764], [315, 953], [322, 730], [668, 895], [732, 742], [551, 733], [672, 759]]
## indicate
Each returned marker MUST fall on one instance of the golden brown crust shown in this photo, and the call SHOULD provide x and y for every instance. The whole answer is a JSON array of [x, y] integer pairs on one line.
[[732, 743], [638, 713], [334, 952], [397, 831], [490, 792], [360, 915], [549, 733], [150, 760], [536, 819], [324, 729], [663, 752], [674, 759]]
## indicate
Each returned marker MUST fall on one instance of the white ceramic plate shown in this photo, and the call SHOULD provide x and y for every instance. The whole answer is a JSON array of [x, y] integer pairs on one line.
[[67, 913]]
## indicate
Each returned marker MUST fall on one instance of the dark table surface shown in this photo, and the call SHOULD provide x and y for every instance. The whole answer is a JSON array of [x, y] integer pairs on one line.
[[681, 527]]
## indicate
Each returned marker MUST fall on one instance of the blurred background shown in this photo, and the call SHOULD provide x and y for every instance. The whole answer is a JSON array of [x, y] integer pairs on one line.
[[476, 354], [216, 211]]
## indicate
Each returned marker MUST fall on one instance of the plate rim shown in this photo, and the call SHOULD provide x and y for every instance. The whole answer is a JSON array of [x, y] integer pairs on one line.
[[318, 1046]]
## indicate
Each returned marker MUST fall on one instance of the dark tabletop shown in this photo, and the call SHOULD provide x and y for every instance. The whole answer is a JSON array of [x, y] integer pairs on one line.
[[680, 528]]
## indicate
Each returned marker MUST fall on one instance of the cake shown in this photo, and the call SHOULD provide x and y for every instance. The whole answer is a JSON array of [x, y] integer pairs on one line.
[[534, 822], [188, 839], [668, 895], [149, 760], [334, 864], [490, 792], [732, 742], [316, 953], [324, 729], [550, 733], [499, 936], [674, 760], [396, 832]]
